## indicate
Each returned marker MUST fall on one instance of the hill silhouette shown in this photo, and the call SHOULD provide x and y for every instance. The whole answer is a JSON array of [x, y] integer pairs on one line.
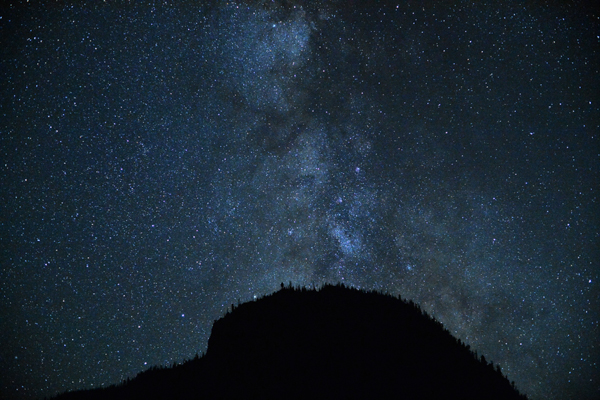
[[335, 342]]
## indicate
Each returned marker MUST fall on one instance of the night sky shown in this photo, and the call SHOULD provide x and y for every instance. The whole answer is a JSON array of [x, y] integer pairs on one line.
[[160, 162]]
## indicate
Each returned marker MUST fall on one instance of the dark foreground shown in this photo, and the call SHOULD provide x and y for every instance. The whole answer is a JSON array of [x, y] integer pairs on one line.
[[334, 342]]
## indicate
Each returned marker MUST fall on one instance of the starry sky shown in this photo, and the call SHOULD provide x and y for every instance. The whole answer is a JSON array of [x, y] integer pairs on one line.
[[162, 161]]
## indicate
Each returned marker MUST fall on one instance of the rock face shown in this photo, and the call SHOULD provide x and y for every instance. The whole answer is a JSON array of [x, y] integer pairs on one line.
[[334, 342]]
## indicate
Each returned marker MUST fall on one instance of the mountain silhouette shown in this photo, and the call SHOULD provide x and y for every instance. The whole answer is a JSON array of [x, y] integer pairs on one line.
[[334, 342]]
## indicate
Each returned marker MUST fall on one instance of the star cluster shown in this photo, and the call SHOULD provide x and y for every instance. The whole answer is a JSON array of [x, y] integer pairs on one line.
[[163, 161]]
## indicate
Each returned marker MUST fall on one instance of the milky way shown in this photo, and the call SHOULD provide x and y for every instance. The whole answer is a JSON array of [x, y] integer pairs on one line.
[[163, 162]]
